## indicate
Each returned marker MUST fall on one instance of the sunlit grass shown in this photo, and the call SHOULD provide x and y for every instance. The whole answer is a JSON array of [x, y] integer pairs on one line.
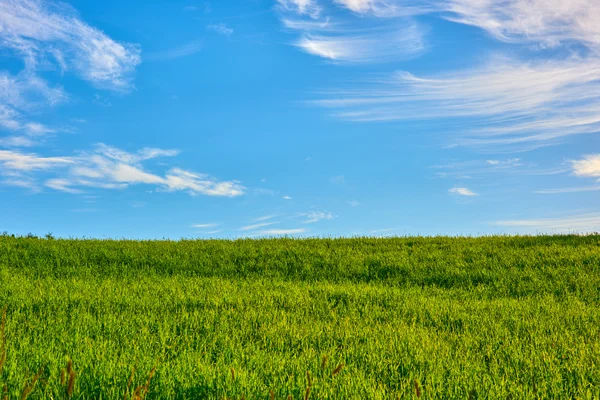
[[494, 317]]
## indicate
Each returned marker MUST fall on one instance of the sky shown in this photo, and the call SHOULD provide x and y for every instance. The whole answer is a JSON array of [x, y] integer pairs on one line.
[[226, 119]]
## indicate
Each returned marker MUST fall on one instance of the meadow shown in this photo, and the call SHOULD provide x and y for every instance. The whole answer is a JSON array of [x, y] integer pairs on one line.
[[358, 318]]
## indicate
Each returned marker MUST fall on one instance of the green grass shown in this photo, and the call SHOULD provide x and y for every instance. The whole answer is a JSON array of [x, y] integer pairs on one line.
[[461, 318]]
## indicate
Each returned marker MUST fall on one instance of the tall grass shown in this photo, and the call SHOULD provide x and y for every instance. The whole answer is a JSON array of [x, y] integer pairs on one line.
[[465, 318]]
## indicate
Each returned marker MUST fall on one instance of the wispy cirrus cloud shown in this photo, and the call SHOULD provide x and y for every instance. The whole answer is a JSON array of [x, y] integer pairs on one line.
[[110, 168], [507, 102], [277, 232], [221, 29], [302, 7], [569, 190], [315, 216], [205, 226], [50, 36], [365, 47], [257, 226], [548, 22], [511, 104], [184, 50], [265, 218], [326, 31], [36, 30]]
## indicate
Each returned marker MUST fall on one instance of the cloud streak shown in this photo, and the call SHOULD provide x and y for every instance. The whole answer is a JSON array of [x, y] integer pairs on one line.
[[507, 102], [580, 222], [181, 51], [345, 38]]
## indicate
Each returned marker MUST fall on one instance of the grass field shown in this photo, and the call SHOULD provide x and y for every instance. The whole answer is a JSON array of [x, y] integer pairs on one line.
[[365, 318]]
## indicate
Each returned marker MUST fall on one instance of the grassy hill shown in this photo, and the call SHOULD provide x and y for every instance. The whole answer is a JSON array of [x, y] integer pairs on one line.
[[363, 318]]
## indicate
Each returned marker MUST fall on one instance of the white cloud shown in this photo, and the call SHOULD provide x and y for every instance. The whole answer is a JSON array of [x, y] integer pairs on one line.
[[205, 226], [548, 22], [62, 185], [50, 37], [146, 153], [286, 198], [353, 203], [307, 7], [256, 226], [38, 30], [588, 166], [184, 50], [34, 128], [316, 216], [580, 222], [111, 168], [275, 232], [461, 191], [346, 38], [16, 141], [14, 161], [221, 29], [399, 43]]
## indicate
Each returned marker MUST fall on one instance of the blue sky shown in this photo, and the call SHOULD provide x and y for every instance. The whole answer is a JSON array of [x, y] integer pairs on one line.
[[301, 117]]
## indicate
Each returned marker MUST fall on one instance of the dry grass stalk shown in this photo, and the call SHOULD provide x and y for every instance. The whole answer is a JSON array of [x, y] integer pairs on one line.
[[289, 397], [324, 363], [307, 393], [129, 383], [27, 388], [137, 393], [63, 377], [337, 370], [147, 385], [71, 384], [417, 389], [233, 374], [308, 379], [5, 390], [271, 395]]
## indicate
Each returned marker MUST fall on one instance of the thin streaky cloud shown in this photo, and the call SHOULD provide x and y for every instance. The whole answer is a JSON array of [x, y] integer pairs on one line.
[[181, 51], [583, 222], [221, 29], [569, 190], [257, 226], [507, 102], [316, 216], [400, 43], [547, 23], [265, 218], [204, 226], [276, 232]]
